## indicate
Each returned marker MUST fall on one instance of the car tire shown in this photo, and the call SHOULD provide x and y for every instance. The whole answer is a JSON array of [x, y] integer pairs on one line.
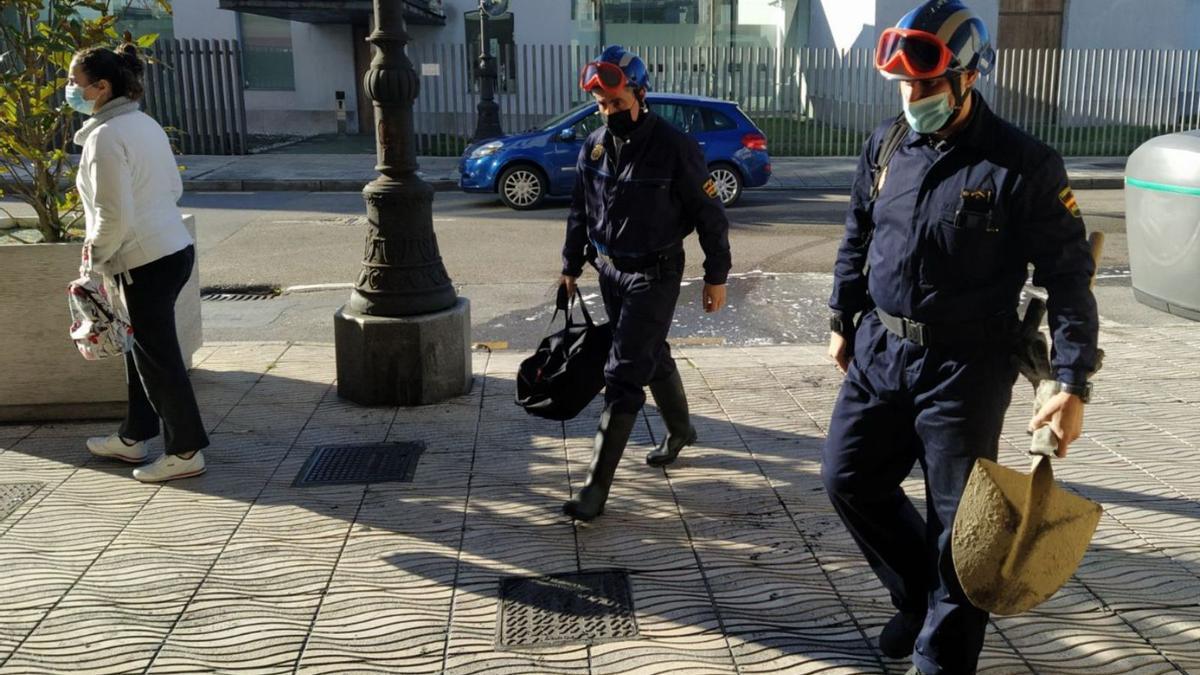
[[728, 181], [522, 187]]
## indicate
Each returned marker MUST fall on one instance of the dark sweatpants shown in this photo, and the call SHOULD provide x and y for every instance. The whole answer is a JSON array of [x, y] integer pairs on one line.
[[154, 371]]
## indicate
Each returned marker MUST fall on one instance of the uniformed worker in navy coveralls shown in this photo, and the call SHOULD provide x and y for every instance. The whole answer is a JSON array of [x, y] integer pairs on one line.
[[934, 267], [641, 186]]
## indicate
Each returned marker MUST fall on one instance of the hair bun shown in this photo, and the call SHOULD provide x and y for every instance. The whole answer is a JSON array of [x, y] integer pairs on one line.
[[130, 56]]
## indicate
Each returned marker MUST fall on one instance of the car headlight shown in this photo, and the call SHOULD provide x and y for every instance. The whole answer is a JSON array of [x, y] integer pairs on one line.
[[487, 149]]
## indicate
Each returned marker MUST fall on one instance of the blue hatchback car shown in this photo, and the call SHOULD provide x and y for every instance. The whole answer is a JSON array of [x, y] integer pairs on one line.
[[526, 168]]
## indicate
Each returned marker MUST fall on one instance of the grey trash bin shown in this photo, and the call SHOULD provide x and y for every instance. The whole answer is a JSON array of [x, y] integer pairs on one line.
[[1162, 220]]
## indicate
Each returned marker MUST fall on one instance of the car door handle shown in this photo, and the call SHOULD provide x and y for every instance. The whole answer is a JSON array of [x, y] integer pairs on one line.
[[700, 142]]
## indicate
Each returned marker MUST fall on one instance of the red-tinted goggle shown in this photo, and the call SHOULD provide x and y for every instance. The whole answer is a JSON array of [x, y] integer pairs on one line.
[[907, 54], [602, 74]]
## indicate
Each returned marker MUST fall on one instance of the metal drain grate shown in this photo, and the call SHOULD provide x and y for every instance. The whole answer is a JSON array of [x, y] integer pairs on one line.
[[230, 293], [584, 607], [349, 464], [13, 495]]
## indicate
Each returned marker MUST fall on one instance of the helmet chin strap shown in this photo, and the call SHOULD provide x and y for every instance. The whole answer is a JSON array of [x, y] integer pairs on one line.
[[960, 96]]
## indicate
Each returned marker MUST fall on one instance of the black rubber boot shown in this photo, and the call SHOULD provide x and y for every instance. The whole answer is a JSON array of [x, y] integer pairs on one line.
[[611, 438], [899, 636], [672, 404]]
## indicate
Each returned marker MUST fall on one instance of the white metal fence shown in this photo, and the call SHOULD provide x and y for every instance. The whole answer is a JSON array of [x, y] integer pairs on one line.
[[823, 102]]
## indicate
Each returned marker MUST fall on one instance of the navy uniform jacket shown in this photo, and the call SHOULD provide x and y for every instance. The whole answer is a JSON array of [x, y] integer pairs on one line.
[[939, 256], [647, 201]]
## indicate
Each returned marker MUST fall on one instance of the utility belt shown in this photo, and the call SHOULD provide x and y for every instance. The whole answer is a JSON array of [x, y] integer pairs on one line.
[[653, 265], [996, 330]]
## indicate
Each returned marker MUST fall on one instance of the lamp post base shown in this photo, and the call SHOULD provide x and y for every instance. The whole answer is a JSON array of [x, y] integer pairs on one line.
[[408, 361]]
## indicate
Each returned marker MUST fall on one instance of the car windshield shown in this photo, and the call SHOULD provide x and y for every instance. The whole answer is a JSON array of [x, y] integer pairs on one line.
[[558, 120]]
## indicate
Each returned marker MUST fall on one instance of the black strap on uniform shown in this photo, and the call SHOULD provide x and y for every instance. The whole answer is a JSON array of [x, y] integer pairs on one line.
[[887, 148], [892, 139]]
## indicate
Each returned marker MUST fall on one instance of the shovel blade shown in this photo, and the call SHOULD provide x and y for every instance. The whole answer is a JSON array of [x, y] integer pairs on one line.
[[985, 535]]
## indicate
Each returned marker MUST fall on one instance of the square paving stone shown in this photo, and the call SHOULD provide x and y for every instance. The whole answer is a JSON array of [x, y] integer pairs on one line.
[[583, 607]]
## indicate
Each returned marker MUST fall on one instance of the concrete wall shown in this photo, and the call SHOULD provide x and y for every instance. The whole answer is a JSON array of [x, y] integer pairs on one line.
[[1132, 24], [44, 376], [841, 25], [850, 25], [323, 59]]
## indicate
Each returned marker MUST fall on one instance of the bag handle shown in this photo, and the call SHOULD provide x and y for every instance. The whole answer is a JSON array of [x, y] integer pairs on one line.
[[567, 304], [85, 260]]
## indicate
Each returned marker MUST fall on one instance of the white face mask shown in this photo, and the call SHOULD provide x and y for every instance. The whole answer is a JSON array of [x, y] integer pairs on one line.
[[929, 114], [77, 102]]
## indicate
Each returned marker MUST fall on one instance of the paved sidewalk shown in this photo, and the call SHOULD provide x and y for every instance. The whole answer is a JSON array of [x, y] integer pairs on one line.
[[736, 562], [337, 173]]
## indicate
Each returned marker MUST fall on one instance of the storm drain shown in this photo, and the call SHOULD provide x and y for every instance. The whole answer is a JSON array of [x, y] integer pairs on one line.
[[583, 607], [13, 495], [229, 293], [350, 464]]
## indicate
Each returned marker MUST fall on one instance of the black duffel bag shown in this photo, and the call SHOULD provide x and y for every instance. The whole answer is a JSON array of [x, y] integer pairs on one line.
[[567, 370]]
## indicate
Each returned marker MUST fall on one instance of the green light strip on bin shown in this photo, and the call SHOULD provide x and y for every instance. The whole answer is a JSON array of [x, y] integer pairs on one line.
[[1163, 187]]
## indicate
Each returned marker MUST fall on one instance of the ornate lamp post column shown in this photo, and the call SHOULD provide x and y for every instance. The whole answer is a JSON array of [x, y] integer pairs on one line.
[[487, 120], [404, 337]]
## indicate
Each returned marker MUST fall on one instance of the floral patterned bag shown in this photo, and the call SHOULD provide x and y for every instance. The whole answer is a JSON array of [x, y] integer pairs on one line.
[[99, 327]]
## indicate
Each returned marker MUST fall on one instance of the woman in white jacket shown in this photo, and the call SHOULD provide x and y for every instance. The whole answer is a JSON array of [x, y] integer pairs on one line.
[[129, 184]]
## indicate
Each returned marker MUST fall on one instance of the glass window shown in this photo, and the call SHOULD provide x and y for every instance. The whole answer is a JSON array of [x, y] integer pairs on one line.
[[139, 17], [500, 46], [143, 17], [686, 118], [587, 125], [717, 121], [267, 52]]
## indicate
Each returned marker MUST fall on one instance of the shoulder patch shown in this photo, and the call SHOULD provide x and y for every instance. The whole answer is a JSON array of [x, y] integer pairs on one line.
[[1068, 200], [597, 151], [710, 188]]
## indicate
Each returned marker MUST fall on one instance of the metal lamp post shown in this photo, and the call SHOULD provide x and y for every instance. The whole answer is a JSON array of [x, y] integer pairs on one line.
[[487, 121], [404, 336]]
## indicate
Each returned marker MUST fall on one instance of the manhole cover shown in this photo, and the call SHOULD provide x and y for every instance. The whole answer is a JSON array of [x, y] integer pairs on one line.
[[584, 607], [13, 495], [374, 463]]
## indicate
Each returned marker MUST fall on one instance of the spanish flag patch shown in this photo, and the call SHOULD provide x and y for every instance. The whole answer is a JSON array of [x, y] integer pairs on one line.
[[710, 188], [1068, 200]]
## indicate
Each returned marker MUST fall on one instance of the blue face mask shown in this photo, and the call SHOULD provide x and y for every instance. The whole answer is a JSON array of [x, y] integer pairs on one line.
[[928, 114], [77, 102]]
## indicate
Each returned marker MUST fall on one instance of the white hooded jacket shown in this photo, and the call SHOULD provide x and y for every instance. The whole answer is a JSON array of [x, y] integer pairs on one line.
[[128, 184]]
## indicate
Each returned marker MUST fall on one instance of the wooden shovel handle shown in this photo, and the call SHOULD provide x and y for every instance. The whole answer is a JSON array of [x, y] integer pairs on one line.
[[1096, 241]]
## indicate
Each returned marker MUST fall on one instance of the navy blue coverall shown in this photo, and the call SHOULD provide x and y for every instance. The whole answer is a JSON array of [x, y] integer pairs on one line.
[[635, 207], [947, 243]]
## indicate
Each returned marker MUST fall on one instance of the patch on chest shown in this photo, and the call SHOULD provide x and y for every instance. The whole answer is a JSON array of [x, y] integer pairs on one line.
[[710, 188], [1068, 200], [597, 151]]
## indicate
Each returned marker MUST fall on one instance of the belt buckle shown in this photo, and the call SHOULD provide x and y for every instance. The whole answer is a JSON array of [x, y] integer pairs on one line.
[[917, 332]]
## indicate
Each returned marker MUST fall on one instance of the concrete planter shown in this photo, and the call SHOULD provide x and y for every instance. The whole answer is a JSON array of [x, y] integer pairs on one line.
[[42, 375]]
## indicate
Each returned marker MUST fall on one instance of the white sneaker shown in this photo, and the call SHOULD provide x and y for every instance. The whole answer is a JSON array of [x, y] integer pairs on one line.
[[170, 467], [114, 447]]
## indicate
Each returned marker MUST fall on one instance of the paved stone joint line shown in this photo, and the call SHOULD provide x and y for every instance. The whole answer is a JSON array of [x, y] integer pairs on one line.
[[577, 607], [734, 560]]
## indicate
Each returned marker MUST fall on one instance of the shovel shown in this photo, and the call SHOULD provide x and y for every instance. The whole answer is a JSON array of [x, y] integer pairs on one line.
[[1018, 537]]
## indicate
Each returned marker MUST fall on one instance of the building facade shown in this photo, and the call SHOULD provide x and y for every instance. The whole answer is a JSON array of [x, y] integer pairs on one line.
[[299, 56]]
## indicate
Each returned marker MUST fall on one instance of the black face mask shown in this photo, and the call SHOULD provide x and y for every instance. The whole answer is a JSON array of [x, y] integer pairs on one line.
[[621, 123]]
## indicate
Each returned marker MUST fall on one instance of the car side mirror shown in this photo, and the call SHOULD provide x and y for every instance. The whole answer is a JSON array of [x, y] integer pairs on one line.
[[567, 134]]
